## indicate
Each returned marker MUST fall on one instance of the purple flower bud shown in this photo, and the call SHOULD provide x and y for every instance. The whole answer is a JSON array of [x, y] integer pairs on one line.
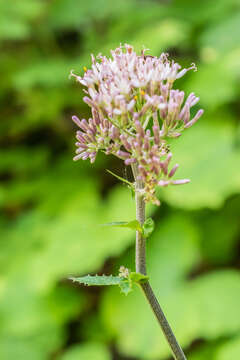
[[92, 157], [125, 92], [194, 120], [146, 143], [156, 134], [163, 183], [174, 134], [90, 102], [84, 155], [130, 161], [84, 125], [80, 149], [84, 146], [174, 169], [125, 142], [76, 120], [180, 182], [81, 138], [169, 157], [115, 133], [156, 159], [139, 128], [123, 154], [130, 106], [164, 168], [96, 118], [77, 157], [142, 171]]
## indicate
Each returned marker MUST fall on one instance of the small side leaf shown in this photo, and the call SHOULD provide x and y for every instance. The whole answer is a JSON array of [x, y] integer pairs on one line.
[[121, 179], [134, 224], [97, 280], [148, 227], [124, 282], [126, 286], [138, 278]]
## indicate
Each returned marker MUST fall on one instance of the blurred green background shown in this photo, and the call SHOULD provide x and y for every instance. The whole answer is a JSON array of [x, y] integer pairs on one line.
[[51, 207]]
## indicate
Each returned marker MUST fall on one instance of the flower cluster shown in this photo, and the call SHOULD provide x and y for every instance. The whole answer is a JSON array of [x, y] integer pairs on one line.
[[134, 112]]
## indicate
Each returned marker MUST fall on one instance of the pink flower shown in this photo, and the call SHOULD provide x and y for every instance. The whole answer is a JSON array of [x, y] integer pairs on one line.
[[134, 111]]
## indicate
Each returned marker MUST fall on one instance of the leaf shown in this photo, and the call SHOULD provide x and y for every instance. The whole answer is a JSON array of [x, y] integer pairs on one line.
[[221, 89], [36, 330], [176, 33], [219, 232], [207, 351], [125, 286], [15, 21], [230, 350], [97, 280], [86, 351], [121, 179], [223, 36], [138, 278], [148, 227], [212, 181], [134, 224], [69, 14], [173, 252]]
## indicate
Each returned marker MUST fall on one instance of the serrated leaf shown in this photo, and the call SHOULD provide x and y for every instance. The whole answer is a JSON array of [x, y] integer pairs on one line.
[[125, 286], [97, 280], [134, 224], [172, 253], [148, 227]]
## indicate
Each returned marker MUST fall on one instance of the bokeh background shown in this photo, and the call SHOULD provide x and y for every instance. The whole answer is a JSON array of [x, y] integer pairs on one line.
[[51, 208]]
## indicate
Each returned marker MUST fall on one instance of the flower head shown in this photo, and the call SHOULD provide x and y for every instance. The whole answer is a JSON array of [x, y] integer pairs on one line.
[[134, 111]]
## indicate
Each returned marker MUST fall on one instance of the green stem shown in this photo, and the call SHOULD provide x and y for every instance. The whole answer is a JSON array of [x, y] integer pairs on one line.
[[140, 260]]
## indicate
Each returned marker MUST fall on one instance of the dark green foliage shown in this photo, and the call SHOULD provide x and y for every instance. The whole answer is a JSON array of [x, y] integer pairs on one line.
[[52, 208]]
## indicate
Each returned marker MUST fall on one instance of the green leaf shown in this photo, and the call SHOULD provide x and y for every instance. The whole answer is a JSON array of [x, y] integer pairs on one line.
[[217, 36], [212, 181], [176, 33], [15, 21], [86, 351], [138, 278], [192, 307], [148, 227], [134, 224], [121, 179], [69, 14], [221, 89], [97, 280], [126, 286], [229, 351], [219, 232], [206, 351]]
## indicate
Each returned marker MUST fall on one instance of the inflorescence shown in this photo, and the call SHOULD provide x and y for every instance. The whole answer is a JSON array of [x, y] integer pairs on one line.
[[134, 112]]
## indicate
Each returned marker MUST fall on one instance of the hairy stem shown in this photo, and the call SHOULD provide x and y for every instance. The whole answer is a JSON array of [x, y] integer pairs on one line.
[[140, 259]]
